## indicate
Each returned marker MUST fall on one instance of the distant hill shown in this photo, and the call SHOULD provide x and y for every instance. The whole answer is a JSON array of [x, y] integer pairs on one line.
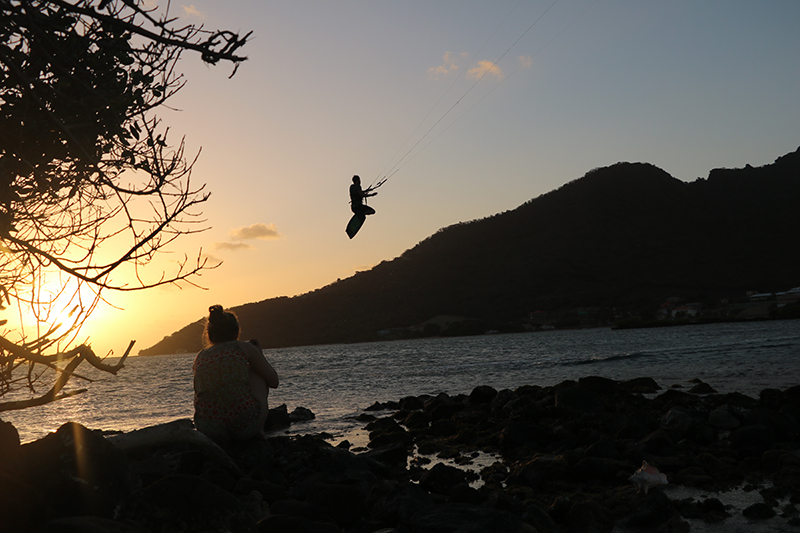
[[623, 237]]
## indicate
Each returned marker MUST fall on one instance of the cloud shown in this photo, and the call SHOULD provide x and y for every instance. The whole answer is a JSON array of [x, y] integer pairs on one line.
[[256, 231], [191, 11], [484, 67], [449, 64], [525, 61], [233, 246]]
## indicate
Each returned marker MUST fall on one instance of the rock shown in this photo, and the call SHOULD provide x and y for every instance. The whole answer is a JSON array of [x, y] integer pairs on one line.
[[278, 418], [640, 385], [605, 447], [88, 524], [412, 403], [587, 517], [601, 468], [752, 438], [301, 414], [759, 511], [441, 478], [344, 503], [391, 454], [656, 509], [463, 518], [417, 420], [677, 420], [575, 399], [482, 394], [187, 503], [784, 426], [598, 385], [520, 433], [89, 475], [9, 442], [295, 524], [702, 388], [722, 418], [539, 519]]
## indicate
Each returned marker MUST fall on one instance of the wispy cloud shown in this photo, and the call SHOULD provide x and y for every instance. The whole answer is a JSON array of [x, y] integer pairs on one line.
[[525, 61], [484, 67], [233, 246], [191, 11], [256, 231], [449, 64]]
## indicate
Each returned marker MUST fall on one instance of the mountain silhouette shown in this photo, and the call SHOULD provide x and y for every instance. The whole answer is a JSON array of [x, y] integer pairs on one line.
[[625, 236]]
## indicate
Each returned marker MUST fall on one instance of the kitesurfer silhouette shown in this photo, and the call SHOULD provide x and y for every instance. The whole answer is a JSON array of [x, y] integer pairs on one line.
[[357, 205], [357, 196]]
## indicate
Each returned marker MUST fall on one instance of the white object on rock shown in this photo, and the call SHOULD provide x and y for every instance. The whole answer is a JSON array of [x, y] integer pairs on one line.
[[647, 476]]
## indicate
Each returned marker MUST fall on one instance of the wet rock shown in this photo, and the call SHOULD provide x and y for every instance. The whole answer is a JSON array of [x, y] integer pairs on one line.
[[710, 510], [88, 524], [656, 509], [722, 418], [521, 433], [301, 414], [442, 478], [90, 475], [278, 417], [598, 385], [463, 518], [411, 403], [784, 426], [575, 399], [386, 431], [677, 420], [759, 511], [417, 420], [605, 447], [752, 438], [602, 468], [482, 394], [702, 388], [187, 503], [539, 519], [588, 517], [392, 454], [640, 386], [296, 524]]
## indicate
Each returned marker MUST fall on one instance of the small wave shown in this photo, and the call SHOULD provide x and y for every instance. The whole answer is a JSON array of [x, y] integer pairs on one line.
[[599, 359]]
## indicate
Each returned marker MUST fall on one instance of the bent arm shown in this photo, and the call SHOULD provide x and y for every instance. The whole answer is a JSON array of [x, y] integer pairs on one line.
[[260, 365]]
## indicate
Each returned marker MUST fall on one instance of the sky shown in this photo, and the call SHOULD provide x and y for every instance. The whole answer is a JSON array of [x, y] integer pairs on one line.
[[471, 107]]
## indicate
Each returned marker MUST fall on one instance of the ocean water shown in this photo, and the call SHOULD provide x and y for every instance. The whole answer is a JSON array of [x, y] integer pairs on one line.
[[337, 382]]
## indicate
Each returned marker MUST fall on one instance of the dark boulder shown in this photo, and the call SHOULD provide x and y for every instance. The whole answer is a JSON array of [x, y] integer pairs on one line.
[[482, 394], [575, 399], [464, 518], [75, 471], [188, 503], [753, 438], [759, 511], [441, 478]]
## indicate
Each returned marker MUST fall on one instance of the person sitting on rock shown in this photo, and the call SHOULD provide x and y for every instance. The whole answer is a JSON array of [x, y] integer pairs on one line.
[[231, 382]]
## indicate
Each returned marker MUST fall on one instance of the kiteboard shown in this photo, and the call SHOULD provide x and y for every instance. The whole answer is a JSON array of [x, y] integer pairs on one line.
[[355, 224]]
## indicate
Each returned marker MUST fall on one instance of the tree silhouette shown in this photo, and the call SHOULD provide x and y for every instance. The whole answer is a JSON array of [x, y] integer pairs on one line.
[[86, 169]]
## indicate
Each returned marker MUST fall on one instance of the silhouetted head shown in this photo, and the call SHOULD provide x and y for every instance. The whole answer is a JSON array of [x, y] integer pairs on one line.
[[221, 326], [357, 179]]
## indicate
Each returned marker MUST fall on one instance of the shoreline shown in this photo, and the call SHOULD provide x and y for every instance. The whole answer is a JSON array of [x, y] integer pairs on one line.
[[554, 458]]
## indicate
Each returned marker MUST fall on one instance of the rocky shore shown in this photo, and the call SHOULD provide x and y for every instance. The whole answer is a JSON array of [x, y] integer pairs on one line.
[[562, 459]]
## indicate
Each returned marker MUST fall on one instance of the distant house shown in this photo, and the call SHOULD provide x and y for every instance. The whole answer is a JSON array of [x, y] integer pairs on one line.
[[685, 311]]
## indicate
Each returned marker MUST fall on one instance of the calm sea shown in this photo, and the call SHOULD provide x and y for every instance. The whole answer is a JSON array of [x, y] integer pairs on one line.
[[338, 381]]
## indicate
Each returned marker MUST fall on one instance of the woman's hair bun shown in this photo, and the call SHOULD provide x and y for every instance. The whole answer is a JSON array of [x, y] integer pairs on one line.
[[214, 309]]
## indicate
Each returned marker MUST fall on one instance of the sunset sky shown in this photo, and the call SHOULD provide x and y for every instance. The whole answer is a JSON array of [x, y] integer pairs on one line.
[[529, 94]]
